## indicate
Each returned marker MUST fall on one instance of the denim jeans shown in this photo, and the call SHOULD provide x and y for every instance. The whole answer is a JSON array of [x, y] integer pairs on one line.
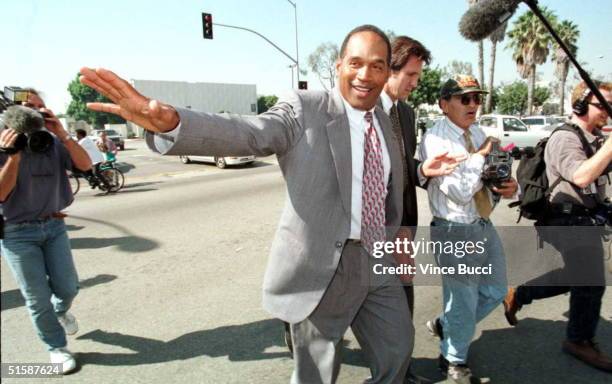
[[38, 253], [467, 299]]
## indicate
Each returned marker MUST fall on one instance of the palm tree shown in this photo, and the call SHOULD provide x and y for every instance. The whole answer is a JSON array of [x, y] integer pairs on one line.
[[531, 42], [480, 55], [568, 33], [496, 37]]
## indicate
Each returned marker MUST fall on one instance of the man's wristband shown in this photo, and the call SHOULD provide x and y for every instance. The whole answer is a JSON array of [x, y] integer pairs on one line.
[[64, 139]]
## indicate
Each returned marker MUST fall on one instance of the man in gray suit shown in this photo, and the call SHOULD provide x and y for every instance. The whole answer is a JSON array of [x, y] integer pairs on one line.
[[344, 179], [407, 59]]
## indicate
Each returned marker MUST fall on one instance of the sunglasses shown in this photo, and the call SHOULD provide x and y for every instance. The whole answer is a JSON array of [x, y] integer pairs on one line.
[[475, 97], [598, 105]]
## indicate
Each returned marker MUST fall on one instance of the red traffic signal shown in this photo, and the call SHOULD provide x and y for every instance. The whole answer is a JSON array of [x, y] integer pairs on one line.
[[207, 25], [302, 85]]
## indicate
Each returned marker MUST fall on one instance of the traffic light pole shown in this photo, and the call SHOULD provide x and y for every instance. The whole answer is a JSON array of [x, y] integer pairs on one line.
[[297, 54], [263, 37]]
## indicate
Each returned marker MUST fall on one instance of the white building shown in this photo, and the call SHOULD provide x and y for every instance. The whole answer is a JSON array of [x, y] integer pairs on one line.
[[206, 97]]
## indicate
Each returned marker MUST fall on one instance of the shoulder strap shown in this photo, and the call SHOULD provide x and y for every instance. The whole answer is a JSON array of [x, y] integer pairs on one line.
[[585, 145], [578, 131]]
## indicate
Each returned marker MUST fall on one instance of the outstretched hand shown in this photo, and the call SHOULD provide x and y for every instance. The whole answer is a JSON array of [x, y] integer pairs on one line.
[[442, 164], [150, 114]]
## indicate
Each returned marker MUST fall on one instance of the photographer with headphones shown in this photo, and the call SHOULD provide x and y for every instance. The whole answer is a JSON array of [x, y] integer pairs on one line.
[[578, 163], [34, 189]]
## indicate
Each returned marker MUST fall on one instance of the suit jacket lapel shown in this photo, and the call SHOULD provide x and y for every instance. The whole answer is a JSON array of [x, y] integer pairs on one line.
[[339, 134], [397, 174]]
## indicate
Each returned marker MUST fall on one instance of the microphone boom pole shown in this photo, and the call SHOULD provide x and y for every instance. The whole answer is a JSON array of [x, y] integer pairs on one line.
[[533, 4]]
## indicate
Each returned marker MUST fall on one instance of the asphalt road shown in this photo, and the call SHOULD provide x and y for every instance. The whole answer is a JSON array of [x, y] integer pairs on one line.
[[171, 270]]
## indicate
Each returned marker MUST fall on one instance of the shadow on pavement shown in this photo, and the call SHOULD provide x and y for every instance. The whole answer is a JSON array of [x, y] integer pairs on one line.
[[13, 299], [134, 185], [244, 342], [528, 354], [129, 243], [531, 353], [124, 167], [124, 243], [124, 191]]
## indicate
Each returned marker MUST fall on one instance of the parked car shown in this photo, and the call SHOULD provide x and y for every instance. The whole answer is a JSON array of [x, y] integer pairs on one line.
[[539, 122], [510, 130], [113, 135], [220, 162]]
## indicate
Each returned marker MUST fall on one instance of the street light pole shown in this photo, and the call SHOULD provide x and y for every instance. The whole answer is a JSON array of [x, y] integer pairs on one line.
[[297, 55], [291, 66]]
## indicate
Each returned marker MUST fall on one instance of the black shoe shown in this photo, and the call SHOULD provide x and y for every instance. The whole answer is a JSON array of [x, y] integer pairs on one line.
[[411, 378], [443, 364]]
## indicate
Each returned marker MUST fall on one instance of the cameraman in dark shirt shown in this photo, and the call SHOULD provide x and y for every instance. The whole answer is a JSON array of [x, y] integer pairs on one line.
[[34, 189], [577, 165]]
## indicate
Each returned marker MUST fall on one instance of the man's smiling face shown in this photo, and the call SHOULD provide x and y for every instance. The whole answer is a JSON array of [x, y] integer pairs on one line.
[[363, 70]]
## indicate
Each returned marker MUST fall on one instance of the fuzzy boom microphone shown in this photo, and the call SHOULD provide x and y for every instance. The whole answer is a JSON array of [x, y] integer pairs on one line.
[[485, 17]]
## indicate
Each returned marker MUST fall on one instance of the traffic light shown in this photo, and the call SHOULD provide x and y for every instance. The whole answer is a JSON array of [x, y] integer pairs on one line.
[[302, 85], [207, 24]]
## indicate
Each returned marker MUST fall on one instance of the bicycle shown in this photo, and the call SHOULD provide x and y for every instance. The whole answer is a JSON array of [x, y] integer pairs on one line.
[[113, 179]]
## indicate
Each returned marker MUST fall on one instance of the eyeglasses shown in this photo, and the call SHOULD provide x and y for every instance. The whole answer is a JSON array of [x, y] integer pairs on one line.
[[476, 97]]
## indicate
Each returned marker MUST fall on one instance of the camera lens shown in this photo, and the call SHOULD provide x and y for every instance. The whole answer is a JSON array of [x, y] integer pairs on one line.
[[40, 141]]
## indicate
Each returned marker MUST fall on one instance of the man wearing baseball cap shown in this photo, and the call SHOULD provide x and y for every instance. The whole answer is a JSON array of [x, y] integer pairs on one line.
[[461, 206]]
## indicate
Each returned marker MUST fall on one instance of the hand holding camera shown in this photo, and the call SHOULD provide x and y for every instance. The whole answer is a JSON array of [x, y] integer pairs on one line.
[[488, 146], [27, 124], [8, 137]]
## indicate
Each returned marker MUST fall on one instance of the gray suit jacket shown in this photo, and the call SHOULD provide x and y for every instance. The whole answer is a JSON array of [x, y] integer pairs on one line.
[[309, 133]]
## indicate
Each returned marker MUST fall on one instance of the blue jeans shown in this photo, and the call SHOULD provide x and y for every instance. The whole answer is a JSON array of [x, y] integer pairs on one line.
[[467, 299], [38, 253]]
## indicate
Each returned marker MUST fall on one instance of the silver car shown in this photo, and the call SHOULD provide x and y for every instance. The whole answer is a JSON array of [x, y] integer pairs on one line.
[[221, 161]]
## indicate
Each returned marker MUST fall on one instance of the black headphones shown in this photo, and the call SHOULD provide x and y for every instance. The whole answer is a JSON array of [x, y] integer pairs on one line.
[[581, 106]]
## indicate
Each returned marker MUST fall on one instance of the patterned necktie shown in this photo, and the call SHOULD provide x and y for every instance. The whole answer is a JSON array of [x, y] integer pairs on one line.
[[481, 198], [397, 130], [373, 191]]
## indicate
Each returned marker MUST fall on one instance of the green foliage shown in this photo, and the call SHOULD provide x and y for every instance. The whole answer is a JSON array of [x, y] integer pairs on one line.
[[428, 90], [81, 95], [512, 98], [265, 102]]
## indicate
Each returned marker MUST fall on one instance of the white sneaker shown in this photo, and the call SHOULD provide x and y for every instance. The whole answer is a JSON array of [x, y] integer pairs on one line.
[[69, 323], [64, 357]]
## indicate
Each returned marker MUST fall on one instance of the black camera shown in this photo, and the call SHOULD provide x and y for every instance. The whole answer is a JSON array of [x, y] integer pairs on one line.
[[497, 167], [27, 122]]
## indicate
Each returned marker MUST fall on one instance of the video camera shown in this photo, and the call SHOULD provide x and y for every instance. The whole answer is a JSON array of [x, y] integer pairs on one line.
[[498, 166], [28, 122]]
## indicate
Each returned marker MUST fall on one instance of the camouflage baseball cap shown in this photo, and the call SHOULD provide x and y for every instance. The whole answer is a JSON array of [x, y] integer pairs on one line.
[[460, 85]]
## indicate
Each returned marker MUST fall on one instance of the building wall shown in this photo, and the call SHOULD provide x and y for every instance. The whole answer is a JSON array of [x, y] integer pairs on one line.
[[206, 97]]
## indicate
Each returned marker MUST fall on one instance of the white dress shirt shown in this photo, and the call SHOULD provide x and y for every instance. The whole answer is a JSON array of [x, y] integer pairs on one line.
[[92, 150], [387, 103], [451, 197], [358, 126]]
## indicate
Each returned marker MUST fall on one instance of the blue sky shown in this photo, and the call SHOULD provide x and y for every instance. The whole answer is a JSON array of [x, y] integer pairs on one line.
[[46, 42]]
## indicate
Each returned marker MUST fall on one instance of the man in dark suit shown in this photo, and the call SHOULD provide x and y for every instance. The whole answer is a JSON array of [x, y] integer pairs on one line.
[[407, 59], [343, 172]]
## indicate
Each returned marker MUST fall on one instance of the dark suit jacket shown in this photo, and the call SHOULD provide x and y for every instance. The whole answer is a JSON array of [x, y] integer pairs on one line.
[[407, 121]]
